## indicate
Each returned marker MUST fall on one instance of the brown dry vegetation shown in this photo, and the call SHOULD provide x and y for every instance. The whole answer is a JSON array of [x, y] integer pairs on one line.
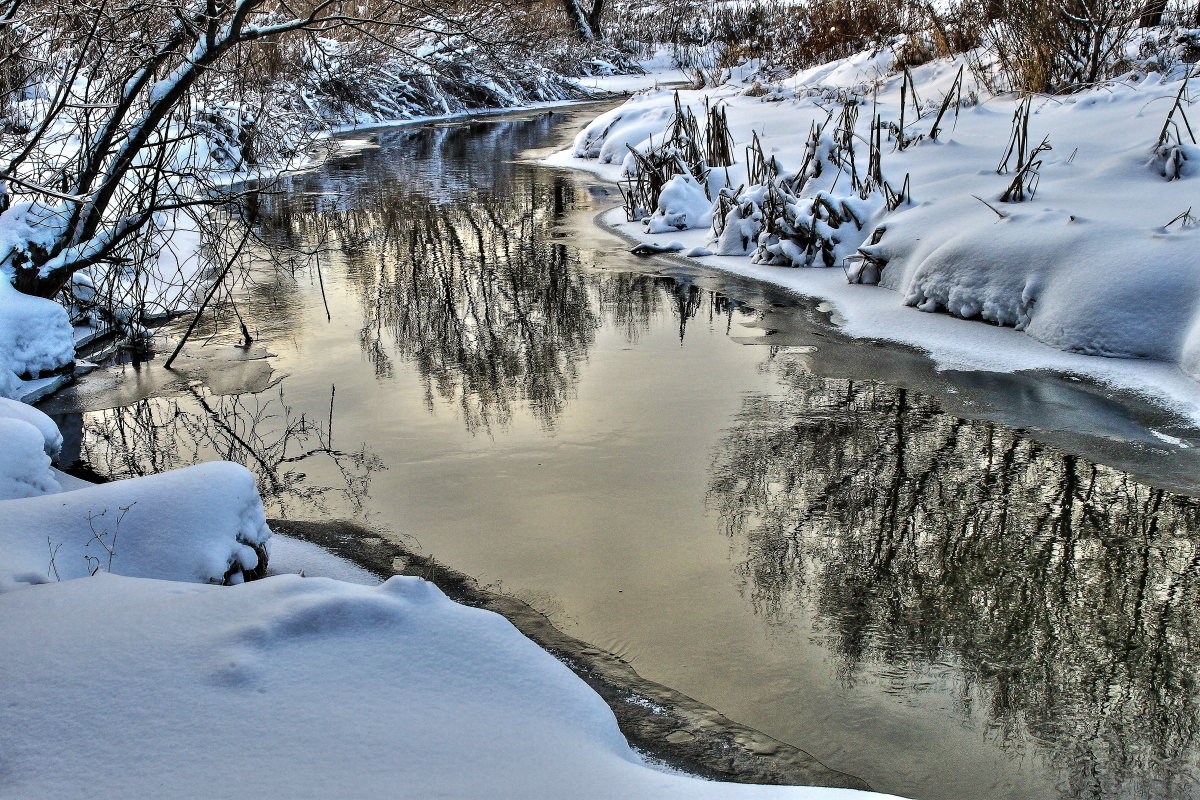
[[1040, 45]]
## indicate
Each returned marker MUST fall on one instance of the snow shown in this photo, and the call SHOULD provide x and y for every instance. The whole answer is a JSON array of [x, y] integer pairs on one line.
[[609, 137], [35, 335], [24, 468], [683, 204], [1091, 265], [657, 70], [10, 384], [307, 687], [51, 437], [293, 556], [28, 441], [201, 523]]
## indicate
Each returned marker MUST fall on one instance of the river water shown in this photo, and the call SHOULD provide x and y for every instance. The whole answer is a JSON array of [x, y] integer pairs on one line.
[[950, 584]]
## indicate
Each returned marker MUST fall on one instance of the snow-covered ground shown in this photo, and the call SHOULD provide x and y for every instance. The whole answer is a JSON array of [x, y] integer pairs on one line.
[[1095, 274], [128, 673], [658, 70]]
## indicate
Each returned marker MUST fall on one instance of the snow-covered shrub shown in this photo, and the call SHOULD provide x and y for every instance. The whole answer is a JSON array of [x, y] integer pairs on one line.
[[1174, 160], [816, 216], [682, 204], [738, 221]]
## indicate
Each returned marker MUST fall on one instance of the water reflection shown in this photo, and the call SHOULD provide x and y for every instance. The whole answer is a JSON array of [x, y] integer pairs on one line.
[[456, 258], [938, 550], [297, 467]]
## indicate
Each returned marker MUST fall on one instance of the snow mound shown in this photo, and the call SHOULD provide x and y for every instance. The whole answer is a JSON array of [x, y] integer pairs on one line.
[[24, 466], [10, 384], [609, 136], [52, 438], [35, 335], [682, 204], [200, 524], [304, 687], [865, 67]]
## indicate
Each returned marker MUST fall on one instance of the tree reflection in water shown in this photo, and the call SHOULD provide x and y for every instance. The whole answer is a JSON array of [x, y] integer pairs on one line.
[[456, 260], [282, 448], [1064, 592]]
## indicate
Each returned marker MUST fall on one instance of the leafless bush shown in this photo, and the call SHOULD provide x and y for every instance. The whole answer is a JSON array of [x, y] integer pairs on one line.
[[1056, 46], [794, 35]]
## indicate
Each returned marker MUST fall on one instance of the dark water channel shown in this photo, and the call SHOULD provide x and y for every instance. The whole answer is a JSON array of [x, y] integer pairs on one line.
[[954, 585]]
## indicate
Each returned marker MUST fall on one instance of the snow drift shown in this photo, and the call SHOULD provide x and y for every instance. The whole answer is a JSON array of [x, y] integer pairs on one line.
[[304, 687], [35, 336], [199, 524]]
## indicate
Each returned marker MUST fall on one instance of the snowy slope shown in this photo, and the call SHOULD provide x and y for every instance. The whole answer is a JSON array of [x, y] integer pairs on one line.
[[303, 687]]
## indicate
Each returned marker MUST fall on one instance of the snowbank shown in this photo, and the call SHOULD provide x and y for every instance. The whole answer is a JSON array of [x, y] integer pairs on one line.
[[24, 467], [304, 687], [203, 523], [1099, 259], [35, 336], [51, 437], [130, 676]]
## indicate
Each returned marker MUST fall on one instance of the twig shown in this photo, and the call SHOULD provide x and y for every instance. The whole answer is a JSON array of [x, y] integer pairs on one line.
[[997, 211]]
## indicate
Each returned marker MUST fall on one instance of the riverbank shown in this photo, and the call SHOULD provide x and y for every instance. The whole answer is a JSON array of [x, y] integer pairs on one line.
[[1090, 275], [391, 683]]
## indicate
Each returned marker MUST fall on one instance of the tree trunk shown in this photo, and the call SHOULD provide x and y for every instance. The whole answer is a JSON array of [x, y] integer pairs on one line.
[[29, 281], [594, 17], [578, 20]]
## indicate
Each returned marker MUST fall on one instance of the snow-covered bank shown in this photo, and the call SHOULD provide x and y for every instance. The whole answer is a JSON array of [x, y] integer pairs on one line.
[[1099, 260], [203, 523], [303, 687], [673, 728]]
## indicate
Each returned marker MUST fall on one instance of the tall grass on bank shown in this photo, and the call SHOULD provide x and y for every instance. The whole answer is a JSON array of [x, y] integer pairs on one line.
[[1033, 46]]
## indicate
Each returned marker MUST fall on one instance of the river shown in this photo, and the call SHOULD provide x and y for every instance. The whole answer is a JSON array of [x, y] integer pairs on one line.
[[950, 584]]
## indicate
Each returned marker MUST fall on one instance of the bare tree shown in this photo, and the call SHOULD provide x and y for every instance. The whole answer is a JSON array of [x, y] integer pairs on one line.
[[585, 22], [109, 139]]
